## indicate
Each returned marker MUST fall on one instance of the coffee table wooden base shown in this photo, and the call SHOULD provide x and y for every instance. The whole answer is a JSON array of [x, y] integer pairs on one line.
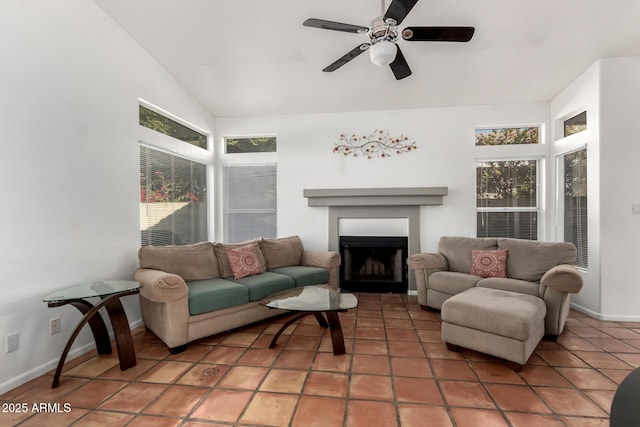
[[332, 322]]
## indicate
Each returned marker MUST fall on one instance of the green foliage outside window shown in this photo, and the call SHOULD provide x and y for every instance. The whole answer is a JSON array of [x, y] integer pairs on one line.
[[575, 124], [155, 121], [510, 183], [265, 144], [508, 136]]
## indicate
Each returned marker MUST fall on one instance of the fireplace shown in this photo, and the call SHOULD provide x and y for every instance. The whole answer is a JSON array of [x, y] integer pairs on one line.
[[376, 264], [377, 203]]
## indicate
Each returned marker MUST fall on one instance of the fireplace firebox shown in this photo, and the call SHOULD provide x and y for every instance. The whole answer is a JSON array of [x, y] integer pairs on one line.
[[375, 264]]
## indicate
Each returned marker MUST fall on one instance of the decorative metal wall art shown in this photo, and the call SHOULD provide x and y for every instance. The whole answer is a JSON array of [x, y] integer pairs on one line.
[[378, 144]]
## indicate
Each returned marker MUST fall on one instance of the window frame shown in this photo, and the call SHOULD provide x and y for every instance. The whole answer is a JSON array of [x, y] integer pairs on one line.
[[179, 121], [175, 147], [573, 117], [539, 127], [537, 209], [240, 137], [240, 159]]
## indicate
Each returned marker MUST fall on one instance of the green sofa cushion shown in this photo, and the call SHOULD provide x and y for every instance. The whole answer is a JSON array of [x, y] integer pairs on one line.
[[215, 294], [304, 276], [262, 285]]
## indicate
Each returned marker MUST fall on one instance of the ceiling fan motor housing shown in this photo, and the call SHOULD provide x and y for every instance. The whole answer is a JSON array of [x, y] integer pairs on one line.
[[383, 29]]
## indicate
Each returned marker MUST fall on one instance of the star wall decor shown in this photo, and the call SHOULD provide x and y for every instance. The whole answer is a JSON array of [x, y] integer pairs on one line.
[[378, 144]]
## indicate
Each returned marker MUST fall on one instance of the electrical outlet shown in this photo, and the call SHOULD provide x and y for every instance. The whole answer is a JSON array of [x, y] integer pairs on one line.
[[54, 326], [13, 341]]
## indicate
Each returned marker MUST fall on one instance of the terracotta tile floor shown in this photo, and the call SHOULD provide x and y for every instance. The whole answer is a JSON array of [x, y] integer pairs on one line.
[[396, 372]]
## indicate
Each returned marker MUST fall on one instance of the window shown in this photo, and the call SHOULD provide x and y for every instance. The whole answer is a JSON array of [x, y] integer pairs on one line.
[[173, 199], [250, 208], [575, 124], [575, 203], [507, 198], [155, 121], [508, 136], [507, 190], [265, 144]]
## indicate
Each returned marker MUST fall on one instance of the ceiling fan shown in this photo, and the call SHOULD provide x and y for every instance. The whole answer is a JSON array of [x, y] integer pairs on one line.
[[383, 35]]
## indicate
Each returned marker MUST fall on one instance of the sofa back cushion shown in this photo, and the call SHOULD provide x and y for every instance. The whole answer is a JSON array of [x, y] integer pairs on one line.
[[457, 250], [191, 262], [282, 252], [530, 259], [223, 258]]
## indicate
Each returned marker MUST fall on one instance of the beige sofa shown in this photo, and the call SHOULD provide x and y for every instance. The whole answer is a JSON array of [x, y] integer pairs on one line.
[[191, 292], [542, 269]]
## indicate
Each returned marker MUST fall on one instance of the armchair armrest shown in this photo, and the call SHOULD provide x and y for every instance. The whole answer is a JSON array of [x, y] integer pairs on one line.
[[160, 286], [326, 259], [428, 261], [563, 278]]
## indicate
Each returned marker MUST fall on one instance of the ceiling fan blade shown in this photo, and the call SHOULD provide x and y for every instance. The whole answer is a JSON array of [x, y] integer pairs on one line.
[[348, 57], [399, 9], [400, 67], [438, 34], [335, 26]]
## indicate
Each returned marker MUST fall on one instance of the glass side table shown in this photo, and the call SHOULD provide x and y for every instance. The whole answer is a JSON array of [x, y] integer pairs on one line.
[[110, 292]]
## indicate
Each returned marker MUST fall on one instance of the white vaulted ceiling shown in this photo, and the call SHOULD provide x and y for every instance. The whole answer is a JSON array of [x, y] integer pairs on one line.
[[254, 57]]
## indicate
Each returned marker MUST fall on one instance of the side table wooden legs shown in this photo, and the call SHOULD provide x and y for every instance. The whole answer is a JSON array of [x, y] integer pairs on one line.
[[122, 334], [118, 318], [98, 328]]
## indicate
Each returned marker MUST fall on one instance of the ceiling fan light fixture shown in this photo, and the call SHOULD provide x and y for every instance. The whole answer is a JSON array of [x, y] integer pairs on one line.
[[383, 53]]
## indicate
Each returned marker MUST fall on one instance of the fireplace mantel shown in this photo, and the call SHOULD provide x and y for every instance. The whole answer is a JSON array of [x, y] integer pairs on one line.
[[404, 202], [403, 196]]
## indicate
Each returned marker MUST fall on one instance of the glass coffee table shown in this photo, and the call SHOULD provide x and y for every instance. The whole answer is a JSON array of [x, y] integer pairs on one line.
[[316, 300], [110, 292]]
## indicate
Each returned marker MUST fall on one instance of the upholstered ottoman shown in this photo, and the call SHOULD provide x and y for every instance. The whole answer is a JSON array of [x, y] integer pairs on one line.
[[500, 323]]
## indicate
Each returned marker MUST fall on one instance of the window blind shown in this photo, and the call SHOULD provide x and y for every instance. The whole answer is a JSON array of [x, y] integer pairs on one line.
[[173, 199], [250, 205], [575, 204]]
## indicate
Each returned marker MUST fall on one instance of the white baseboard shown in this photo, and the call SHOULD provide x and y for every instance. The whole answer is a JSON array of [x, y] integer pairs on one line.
[[38, 371], [606, 317]]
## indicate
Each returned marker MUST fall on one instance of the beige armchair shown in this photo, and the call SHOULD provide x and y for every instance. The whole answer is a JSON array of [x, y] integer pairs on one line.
[[541, 269]]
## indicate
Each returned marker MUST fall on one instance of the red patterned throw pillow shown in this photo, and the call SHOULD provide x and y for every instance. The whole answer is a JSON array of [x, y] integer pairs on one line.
[[489, 263], [244, 261]]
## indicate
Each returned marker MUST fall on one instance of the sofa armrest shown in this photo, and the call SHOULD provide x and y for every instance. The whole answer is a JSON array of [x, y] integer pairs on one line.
[[428, 261], [325, 259], [423, 265], [160, 286], [563, 278]]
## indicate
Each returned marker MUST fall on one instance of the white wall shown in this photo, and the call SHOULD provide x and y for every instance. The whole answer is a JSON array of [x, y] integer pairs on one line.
[[620, 188], [445, 157], [582, 95], [70, 80], [610, 93]]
